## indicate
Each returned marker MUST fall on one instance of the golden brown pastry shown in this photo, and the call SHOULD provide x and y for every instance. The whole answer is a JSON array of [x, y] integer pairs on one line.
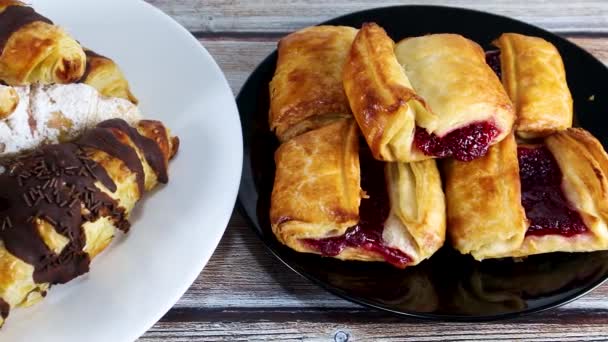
[[61, 205], [426, 97], [483, 196], [533, 74], [564, 195], [316, 190], [104, 75], [9, 100], [306, 91], [34, 50], [382, 99], [317, 204], [450, 73]]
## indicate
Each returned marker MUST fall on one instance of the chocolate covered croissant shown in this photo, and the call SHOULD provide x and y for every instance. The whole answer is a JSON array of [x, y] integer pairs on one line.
[[103, 74], [34, 50], [61, 205]]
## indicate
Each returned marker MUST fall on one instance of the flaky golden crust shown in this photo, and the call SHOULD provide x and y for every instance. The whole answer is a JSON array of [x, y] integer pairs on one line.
[[9, 99], [417, 221], [484, 199], [316, 191], [381, 97], [485, 215], [104, 75], [40, 52], [450, 73], [533, 75], [307, 83]]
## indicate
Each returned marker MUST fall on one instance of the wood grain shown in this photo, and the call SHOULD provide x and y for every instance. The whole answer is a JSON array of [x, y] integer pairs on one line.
[[239, 57], [245, 294], [295, 329], [207, 17]]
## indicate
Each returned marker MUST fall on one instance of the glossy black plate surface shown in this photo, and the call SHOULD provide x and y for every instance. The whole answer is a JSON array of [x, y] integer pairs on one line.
[[448, 286]]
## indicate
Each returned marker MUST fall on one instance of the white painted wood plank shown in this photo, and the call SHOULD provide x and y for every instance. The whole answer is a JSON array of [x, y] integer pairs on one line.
[[297, 330], [288, 15]]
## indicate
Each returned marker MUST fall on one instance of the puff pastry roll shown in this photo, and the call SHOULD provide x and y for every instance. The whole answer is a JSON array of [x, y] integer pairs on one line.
[[316, 189], [34, 50], [533, 74], [104, 75], [61, 206], [554, 199], [401, 226], [382, 99], [450, 73], [306, 91]]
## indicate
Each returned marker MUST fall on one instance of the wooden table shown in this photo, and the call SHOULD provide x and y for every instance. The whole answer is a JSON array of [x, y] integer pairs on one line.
[[245, 294]]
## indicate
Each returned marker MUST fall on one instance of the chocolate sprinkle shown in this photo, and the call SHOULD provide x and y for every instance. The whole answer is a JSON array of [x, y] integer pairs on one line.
[[44, 185], [39, 186]]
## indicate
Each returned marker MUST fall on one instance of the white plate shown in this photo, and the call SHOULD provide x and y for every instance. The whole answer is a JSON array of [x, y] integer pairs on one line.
[[133, 283]]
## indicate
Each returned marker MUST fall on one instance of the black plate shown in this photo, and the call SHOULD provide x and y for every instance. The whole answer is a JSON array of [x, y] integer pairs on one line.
[[448, 286]]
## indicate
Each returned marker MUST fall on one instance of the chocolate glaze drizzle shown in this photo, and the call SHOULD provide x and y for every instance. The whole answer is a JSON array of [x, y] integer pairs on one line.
[[57, 185], [152, 152], [87, 71], [4, 308], [106, 140], [15, 17]]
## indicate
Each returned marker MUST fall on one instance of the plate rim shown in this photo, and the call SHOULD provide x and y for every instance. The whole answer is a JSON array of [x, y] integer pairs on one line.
[[240, 207]]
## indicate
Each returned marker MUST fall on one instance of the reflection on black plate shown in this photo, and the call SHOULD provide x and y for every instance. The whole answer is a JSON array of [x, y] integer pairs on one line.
[[448, 285]]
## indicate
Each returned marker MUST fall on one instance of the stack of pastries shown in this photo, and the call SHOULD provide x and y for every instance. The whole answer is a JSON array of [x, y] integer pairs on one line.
[[369, 130], [75, 155]]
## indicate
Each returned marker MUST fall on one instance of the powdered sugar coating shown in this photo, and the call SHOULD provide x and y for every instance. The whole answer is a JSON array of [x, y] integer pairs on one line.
[[54, 113]]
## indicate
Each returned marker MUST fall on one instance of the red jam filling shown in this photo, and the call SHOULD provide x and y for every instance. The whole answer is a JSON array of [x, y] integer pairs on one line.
[[493, 60], [464, 144], [542, 196], [373, 212]]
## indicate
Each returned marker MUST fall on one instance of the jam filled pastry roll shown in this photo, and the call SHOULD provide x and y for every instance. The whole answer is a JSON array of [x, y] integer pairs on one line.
[[306, 91], [316, 189], [401, 226], [61, 205], [450, 73], [483, 196], [34, 50], [382, 99], [533, 74], [558, 202], [104, 75]]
